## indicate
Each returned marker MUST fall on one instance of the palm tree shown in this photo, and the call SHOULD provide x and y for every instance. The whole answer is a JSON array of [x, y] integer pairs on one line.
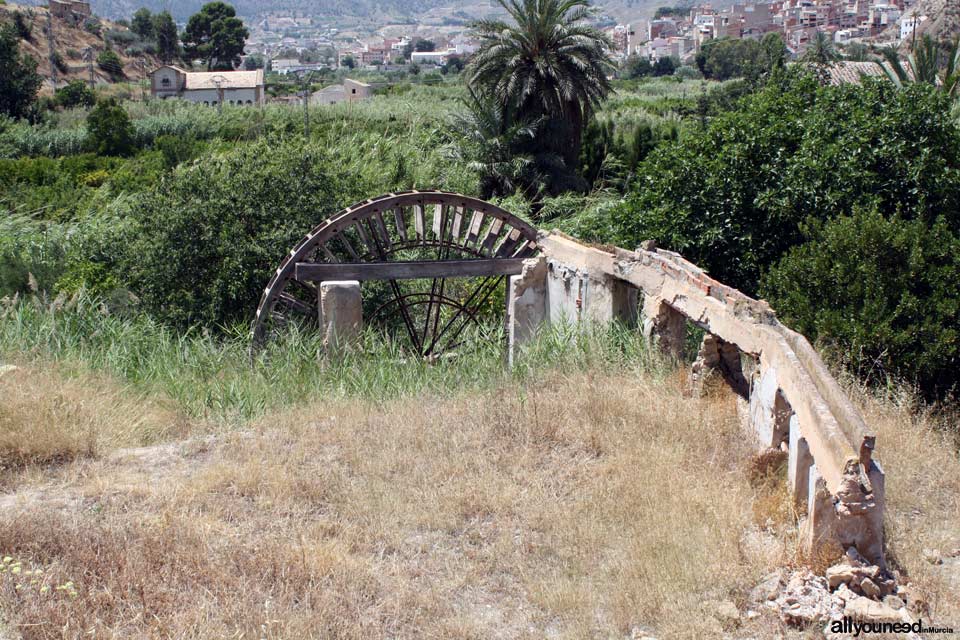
[[821, 52], [487, 143], [925, 61], [546, 63]]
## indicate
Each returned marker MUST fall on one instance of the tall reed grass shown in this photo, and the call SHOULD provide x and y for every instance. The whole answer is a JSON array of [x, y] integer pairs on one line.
[[214, 376]]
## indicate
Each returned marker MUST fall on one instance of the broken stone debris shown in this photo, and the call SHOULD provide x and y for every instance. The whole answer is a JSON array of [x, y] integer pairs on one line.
[[851, 588]]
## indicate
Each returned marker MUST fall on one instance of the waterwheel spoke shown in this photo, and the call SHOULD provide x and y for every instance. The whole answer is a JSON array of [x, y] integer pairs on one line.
[[397, 294], [456, 334], [465, 306]]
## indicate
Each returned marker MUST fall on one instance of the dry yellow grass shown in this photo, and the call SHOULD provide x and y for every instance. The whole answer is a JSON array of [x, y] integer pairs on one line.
[[589, 505], [47, 418], [919, 453]]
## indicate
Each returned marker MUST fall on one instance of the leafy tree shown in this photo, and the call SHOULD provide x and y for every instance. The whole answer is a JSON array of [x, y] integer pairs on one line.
[[598, 146], [735, 196], [881, 293], [168, 42], [424, 46], [637, 67], [143, 24], [414, 69], [216, 36], [253, 62], [109, 130], [545, 63], [19, 80], [348, 62], [75, 94], [727, 58], [665, 67], [109, 61], [666, 12], [454, 64], [92, 25], [204, 243]]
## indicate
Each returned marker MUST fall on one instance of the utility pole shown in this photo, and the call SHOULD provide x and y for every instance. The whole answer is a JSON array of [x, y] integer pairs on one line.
[[143, 79], [303, 75], [53, 51], [219, 80], [88, 55]]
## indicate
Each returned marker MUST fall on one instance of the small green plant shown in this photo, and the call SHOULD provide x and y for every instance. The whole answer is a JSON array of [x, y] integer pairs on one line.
[[25, 580]]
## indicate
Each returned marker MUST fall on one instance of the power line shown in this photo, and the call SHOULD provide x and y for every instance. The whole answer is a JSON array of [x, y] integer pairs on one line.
[[53, 51]]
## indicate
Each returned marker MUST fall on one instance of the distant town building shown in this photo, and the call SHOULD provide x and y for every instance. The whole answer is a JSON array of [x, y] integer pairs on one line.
[[429, 57], [208, 87], [909, 24], [349, 91], [72, 10]]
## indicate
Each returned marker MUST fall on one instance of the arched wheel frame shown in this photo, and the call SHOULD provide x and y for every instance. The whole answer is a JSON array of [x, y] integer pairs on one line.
[[440, 224]]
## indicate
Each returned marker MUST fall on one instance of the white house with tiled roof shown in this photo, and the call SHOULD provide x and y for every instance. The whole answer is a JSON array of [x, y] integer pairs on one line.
[[208, 87]]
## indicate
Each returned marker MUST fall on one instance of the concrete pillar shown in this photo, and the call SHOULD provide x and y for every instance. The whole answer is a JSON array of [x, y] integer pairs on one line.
[[341, 312], [664, 326], [798, 463], [526, 304], [872, 543], [769, 411], [818, 527]]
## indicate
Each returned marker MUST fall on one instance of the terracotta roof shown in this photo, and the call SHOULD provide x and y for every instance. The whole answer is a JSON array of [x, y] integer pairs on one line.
[[849, 72], [230, 79]]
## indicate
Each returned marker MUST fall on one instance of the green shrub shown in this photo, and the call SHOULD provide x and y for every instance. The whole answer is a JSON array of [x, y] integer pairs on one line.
[[23, 26], [109, 129], [109, 61], [92, 25], [882, 294], [31, 254], [59, 62], [734, 197], [75, 94], [120, 37], [206, 241]]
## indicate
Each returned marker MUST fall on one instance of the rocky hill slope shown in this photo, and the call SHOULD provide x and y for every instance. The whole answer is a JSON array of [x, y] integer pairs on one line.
[[77, 46], [944, 19]]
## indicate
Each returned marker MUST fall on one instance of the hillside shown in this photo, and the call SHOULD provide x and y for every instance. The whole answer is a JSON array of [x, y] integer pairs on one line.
[[944, 23], [76, 46], [383, 11]]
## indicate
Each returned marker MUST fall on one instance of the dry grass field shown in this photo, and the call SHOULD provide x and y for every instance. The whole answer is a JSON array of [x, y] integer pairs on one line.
[[585, 504]]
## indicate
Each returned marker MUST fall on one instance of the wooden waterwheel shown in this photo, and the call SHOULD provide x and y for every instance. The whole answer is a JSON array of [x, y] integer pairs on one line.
[[433, 260]]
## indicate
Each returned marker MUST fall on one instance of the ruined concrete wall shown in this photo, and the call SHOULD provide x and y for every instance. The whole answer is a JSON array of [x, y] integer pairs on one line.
[[793, 402]]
